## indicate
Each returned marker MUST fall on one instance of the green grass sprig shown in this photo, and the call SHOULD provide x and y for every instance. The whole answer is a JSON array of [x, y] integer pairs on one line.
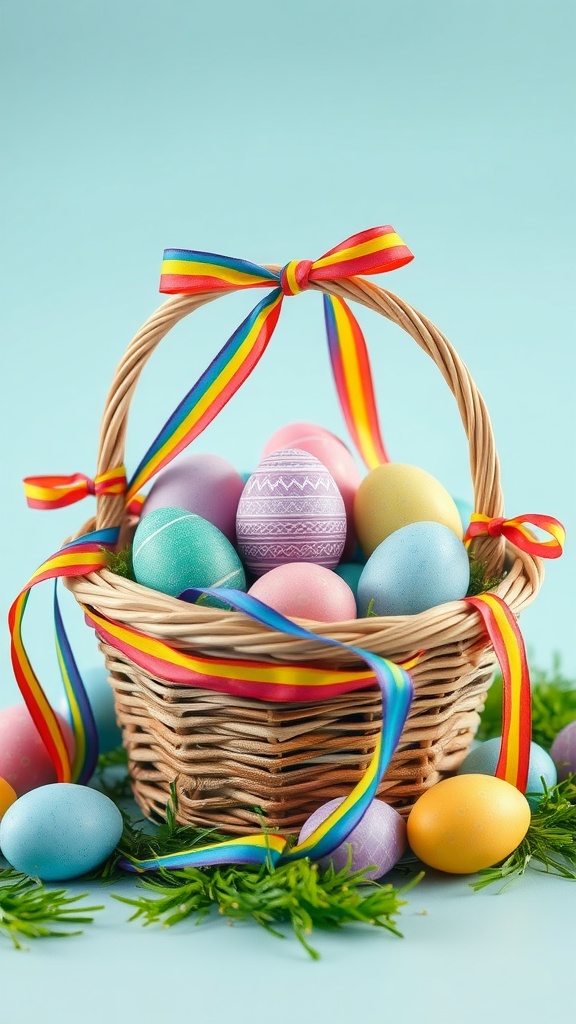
[[550, 843], [480, 579], [111, 774], [298, 894], [30, 911], [120, 562]]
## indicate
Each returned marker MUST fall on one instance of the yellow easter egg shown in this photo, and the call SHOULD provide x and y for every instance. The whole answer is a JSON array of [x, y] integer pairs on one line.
[[467, 823], [7, 797], [394, 495]]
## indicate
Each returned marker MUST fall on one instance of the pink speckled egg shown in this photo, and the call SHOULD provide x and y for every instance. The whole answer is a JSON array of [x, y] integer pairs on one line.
[[302, 590], [290, 511], [332, 453], [24, 761], [204, 484], [563, 751], [379, 839]]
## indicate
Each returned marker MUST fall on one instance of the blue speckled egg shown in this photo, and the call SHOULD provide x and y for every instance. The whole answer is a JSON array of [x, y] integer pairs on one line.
[[484, 758], [417, 567], [60, 831]]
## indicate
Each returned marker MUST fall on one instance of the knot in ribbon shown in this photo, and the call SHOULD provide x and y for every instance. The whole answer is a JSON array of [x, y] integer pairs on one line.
[[295, 276], [49, 492], [515, 531]]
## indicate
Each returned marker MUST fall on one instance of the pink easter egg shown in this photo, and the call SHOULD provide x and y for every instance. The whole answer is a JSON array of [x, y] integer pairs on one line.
[[24, 761], [563, 751], [302, 590], [290, 511], [332, 453], [206, 485], [379, 839]]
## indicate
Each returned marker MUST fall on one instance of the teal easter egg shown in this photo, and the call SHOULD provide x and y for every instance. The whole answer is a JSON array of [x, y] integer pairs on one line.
[[350, 572], [175, 550], [417, 567], [60, 831], [101, 698], [484, 758], [465, 510]]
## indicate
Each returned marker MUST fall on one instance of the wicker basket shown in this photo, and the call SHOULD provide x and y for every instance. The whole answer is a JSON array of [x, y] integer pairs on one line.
[[229, 756]]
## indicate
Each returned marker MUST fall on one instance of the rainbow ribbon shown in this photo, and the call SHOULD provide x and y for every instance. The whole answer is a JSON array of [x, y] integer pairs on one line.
[[78, 558], [514, 531], [270, 682], [508, 644], [48, 492], [184, 271]]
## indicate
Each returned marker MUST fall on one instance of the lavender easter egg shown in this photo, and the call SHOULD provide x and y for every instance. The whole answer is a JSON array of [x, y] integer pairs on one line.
[[302, 590], [563, 751], [332, 453], [24, 761], [290, 511], [204, 484], [379, 839]]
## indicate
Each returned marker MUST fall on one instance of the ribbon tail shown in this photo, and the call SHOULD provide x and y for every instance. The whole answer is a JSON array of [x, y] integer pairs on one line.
[[81, 715], [353, 379], [213, 390], [503, 630]]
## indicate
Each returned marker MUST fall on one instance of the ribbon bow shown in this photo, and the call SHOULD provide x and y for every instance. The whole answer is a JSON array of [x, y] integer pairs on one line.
[[184, 271], [514, 530], [48, 492]]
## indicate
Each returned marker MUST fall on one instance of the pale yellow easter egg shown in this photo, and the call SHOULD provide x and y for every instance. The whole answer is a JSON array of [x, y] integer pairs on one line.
[[394, 495]]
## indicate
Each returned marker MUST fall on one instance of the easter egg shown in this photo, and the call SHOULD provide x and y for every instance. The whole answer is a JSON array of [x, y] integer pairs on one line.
[[484, 758], [465, 510], [377, 842], [468, 823], [204, 484], [563, 751], [101, 698], [302, 590], [332, 453], [24, 761], [60, 831], [415, 568], [394, 495], [7, 797], [290, 511], [175, 550], [350, 572]]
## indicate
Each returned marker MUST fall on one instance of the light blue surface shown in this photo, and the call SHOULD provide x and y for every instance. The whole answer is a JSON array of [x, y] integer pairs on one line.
[[272, 131]]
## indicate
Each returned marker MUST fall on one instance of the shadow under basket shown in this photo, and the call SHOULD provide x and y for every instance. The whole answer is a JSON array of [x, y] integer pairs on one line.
[[238, 762]]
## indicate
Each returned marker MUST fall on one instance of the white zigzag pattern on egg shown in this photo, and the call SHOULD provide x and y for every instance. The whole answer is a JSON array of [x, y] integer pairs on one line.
[[281, 528], [272, 484]]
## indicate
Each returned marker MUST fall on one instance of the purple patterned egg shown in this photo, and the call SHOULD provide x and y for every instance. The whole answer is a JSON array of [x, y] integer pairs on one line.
[[290, 511], [379, 839]]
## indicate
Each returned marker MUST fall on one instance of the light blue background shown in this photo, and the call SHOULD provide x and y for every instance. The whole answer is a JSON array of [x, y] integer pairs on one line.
[[272, 131]]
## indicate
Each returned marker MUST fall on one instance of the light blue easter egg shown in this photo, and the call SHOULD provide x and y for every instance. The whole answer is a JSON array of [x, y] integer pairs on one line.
[[484, 758], [417, 567], [60, 831], [350, 572], [465, 510], [101, 697], [175, 550]]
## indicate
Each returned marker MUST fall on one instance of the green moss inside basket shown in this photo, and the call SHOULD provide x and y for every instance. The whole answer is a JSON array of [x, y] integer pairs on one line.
[[120, 562]]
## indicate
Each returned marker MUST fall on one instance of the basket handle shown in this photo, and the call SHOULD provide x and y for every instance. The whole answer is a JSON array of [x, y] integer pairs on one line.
[[484, 463]]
